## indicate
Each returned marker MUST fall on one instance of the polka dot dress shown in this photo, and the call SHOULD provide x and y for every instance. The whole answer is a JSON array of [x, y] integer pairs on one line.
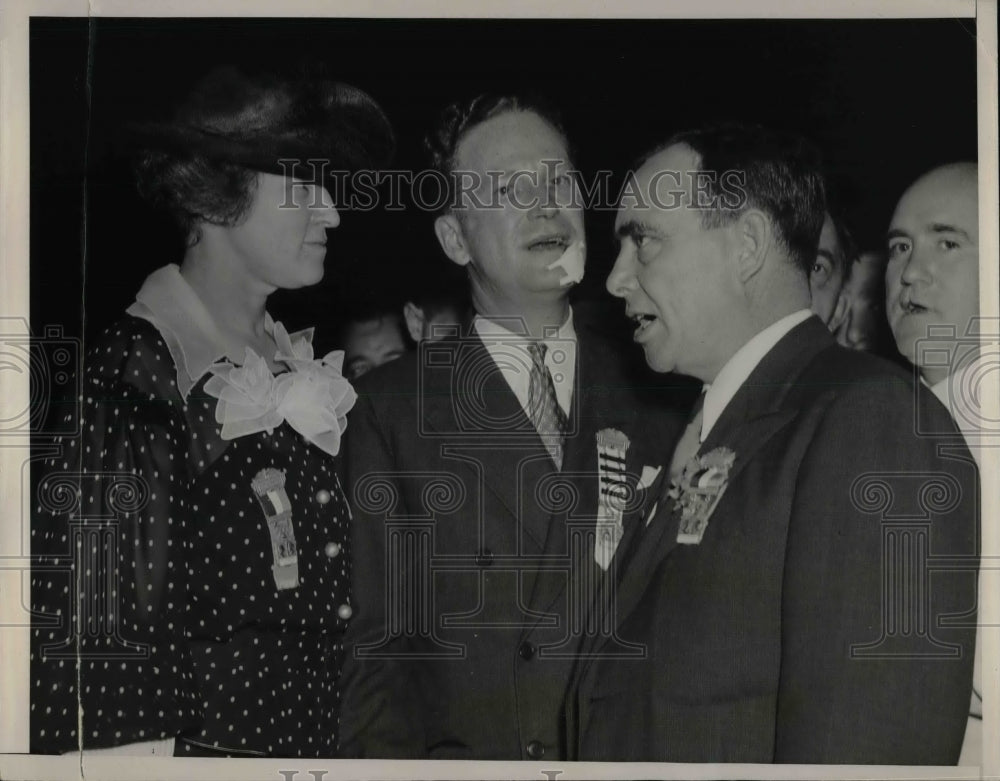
[[153, 588]]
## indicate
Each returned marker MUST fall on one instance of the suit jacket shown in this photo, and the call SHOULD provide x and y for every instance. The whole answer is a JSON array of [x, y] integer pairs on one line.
[[827, 615], [473, 560]]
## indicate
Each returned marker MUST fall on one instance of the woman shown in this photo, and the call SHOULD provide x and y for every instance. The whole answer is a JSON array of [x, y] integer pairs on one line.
[[195, 534]]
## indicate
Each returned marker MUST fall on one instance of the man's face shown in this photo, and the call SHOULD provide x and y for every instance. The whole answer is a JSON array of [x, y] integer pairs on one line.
[[523, 215], [673, 273], [370, 343], [932, 278], [864, 322], [826, 278]]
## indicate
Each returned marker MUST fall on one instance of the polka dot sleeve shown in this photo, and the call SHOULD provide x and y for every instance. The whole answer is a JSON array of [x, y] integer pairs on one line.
[[109, 535]]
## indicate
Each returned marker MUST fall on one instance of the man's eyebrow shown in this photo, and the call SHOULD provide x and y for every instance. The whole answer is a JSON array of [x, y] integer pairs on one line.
[[943, 227], [633, 228], [825, 253], [934, 227]]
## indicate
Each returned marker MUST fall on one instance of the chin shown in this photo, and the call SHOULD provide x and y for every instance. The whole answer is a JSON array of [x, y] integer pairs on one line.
[[312, 274], [658, 363]]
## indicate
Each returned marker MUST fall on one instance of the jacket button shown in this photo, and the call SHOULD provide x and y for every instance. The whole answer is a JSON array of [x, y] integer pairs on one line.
[[484, 558], [332, 550], [536, 749], [527, 650], [345, 612], [323, 496]]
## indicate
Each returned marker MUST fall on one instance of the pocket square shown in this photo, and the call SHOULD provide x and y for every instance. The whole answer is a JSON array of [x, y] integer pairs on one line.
[[649, 475]]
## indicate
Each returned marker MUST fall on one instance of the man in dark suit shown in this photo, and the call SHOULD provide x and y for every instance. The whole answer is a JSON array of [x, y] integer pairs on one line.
[[793, 583], [489, 472]]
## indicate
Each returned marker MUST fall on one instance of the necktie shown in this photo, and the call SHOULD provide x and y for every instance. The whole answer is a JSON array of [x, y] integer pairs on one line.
[[688, 444], [543, 407]]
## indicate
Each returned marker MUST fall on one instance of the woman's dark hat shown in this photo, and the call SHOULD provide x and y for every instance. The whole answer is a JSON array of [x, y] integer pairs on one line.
[[256, 121]]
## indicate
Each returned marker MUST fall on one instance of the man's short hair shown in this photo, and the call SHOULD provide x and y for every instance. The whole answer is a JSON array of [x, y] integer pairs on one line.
[[780, 173], [457, 119], [845, 237]]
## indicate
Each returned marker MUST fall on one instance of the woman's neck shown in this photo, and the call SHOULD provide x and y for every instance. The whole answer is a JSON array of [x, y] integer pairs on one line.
[[236, 302]]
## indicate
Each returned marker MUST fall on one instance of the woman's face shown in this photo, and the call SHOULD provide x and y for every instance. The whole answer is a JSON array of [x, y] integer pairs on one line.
[[282, 239]]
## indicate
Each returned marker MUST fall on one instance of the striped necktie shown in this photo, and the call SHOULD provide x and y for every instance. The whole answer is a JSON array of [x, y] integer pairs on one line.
[[543, 406]]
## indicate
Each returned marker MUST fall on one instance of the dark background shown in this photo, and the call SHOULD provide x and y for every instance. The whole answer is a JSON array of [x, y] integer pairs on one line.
[[884, 99]]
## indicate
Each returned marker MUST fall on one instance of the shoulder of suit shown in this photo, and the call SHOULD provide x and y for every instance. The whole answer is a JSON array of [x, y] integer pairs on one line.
[[868, 384], [854, 367]]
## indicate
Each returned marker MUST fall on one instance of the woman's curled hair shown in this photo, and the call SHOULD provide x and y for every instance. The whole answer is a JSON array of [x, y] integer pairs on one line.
[[192, 189]]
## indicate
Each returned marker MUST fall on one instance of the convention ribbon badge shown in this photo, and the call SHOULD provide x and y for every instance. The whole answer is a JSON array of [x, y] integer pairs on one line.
[[698, 491], [612, 447], [269, 488]]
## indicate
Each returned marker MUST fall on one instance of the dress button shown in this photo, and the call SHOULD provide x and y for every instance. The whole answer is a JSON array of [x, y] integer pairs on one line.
[[484, 558], [527, 650], [323, 496], [344, 611], [332, 550], [536, 749]]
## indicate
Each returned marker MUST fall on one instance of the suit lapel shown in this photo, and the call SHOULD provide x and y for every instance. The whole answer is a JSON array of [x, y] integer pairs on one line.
[[471, 408], [752, 417], [592, 410]]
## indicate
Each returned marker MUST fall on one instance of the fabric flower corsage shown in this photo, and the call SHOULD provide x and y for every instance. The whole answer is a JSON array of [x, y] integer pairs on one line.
[[698, 491], [313, 397]]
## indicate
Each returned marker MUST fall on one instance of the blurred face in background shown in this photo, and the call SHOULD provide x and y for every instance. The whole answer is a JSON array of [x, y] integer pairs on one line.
[[827, 276], [370, 343], [864, 326], [431, 322]]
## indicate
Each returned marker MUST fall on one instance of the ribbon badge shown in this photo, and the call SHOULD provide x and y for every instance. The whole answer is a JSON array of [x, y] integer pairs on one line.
[[699, 490], [612, 447], [269, 488]]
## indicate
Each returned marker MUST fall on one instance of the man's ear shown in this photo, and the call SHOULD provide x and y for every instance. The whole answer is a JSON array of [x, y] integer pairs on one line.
[[452, 240], [415, 319], [754, 236]]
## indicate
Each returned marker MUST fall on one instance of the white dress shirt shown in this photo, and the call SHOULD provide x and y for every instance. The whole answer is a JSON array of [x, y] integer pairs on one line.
[[962, 402], [734, 373], [508, 349]]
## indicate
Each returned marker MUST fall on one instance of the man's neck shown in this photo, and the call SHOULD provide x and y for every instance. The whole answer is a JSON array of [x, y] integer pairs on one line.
[[536, 321]]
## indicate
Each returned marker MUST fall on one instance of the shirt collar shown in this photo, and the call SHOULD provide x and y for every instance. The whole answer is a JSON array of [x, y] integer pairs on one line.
[[737, 369], [560, 357], [514, 327], [960, 396], [195, 343]]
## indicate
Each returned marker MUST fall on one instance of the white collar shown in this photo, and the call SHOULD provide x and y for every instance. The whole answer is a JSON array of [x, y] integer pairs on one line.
[[737, 369], [560, 357], [195, 343], [514, 328], [961, 396]]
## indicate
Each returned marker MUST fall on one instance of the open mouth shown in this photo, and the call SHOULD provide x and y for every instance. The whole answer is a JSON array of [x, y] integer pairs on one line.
[[642, 323], [549, 243]]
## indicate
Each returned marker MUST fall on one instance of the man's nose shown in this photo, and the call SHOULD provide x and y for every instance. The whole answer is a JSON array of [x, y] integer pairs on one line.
[[622, 277], [918, 267]]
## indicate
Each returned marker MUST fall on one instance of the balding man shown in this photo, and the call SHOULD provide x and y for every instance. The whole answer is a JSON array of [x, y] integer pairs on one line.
[[757, 582], [932, 284]]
